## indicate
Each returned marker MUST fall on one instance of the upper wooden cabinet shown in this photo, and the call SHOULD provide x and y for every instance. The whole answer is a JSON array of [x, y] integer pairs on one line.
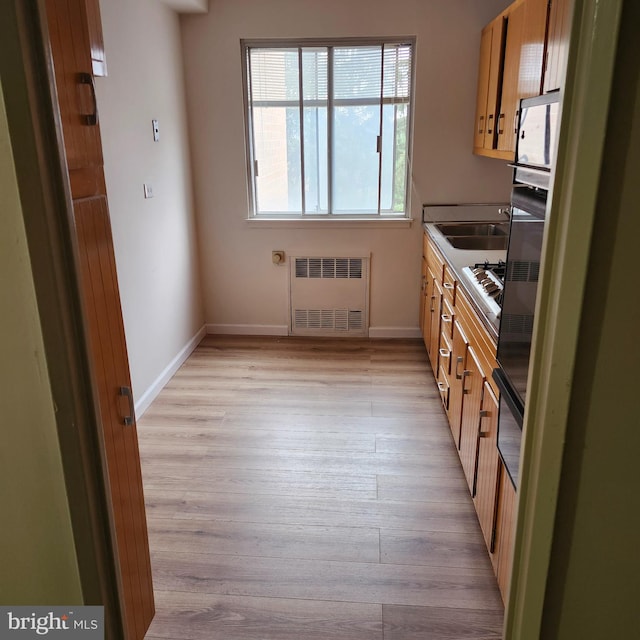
[[489, 83], [557, 43], [515, 66]]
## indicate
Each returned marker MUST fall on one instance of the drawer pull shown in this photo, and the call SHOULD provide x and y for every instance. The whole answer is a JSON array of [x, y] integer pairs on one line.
[[444, 353], [442, 387], [448, 285], [459, 360], [445, 318]]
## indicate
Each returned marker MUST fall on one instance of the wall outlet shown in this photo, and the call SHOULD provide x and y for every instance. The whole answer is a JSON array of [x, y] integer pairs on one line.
[[156, 130], [148, 190]]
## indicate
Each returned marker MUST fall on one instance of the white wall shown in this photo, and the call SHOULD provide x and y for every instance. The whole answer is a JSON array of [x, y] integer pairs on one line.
[[240, 285], [154, 239]]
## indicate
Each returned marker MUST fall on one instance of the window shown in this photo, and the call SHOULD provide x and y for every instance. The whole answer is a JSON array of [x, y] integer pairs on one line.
[[328, 127]]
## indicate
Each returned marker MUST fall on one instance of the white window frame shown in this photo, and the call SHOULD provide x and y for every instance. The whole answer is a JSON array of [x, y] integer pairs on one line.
[[300, 44]]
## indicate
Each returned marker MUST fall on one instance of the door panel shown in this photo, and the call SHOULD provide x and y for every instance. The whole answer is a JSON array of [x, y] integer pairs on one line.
[[68, 27]]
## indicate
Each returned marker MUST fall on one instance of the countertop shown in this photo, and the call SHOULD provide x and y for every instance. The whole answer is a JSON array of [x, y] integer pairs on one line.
[[457, 259]]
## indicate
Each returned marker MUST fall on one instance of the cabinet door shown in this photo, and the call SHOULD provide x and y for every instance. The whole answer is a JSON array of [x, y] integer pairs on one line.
[[523, 58], [473, 380], [560, 14], [510, 94], [424, 293], [483, 87], [505, 529], [69, 34], [435, 311], [458, 365], [489, 84], [487, 473]]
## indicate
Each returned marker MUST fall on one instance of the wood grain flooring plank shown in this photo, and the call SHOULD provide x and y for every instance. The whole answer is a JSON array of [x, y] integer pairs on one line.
[[334, 462], [337, 440], [435, 623], [371, 583], [434, 548], [408, 516], [346, 544], [203, 616], [450, 488], [259, 482]]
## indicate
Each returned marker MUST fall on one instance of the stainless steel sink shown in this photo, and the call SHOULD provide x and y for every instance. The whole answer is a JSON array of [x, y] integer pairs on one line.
[[477, 243], [474, 228]]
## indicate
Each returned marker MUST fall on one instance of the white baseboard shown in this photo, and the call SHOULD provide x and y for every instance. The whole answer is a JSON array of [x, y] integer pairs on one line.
[[143, 402], [394, 332], [249, 329]]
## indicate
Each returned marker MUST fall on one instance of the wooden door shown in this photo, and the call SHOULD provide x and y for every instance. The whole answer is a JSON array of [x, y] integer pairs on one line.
[[495, 81], [505, 529], [70, 46], [473, 380], [487, 471]]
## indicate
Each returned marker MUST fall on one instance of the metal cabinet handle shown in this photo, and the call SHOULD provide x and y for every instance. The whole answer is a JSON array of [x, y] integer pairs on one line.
[[448, 285], [441, 387], [480, 129], [126, 391], [445, 318], [431, 308], [515, 121], [90, 119], [444, 353], [489, 129], [500, 122], [459, 359]]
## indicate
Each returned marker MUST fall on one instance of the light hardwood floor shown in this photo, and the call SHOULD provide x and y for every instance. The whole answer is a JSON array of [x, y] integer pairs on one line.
[[303, 489]]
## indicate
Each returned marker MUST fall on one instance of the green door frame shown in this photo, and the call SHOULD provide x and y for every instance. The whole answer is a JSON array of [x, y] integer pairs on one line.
[[559, 308]]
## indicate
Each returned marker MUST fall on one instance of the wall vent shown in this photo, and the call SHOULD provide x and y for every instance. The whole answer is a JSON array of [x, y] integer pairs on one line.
[[329, 296]]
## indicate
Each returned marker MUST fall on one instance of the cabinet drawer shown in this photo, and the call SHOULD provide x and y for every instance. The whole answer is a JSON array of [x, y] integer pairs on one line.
[[449, 285]]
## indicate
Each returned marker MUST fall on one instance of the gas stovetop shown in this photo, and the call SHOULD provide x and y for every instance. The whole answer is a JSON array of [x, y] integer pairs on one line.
[[487, 278]]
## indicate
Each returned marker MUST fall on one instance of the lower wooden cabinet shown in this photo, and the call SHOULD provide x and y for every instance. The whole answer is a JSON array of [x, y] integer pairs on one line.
[[463, 355], [502, 556]]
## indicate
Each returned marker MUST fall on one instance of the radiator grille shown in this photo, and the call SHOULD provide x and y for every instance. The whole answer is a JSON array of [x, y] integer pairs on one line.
[[329, 296], [328, 267]]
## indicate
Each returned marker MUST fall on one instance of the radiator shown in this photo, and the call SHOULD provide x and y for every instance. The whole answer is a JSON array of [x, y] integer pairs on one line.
[[329, 296]]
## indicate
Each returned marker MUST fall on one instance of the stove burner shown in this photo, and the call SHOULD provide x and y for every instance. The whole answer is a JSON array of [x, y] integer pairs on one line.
[[487, 278]]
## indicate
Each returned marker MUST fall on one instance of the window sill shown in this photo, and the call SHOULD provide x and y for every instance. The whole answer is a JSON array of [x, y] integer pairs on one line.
[[331, 221]]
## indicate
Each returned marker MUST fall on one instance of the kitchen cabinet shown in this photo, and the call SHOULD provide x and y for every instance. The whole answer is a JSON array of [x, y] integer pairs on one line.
[[462, 365], [519, 73], [486, 485], [560, 14], [502, 556], [458, 364], [473, 381], [69, 33], [489, 84]]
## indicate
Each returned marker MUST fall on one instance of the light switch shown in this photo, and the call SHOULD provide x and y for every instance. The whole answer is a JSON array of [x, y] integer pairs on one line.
[[156, 130], [148, 190]]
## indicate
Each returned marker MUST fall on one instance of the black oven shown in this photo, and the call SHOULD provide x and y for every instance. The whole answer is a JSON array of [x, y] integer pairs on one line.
[[534, 161]]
